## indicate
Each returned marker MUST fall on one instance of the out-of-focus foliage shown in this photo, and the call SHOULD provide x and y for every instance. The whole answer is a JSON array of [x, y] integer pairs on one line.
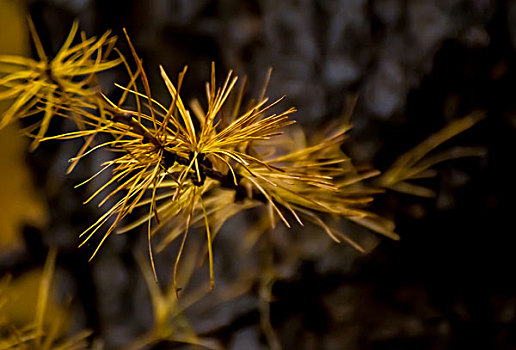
[[170, 323], [45, 329], [19, 202], [417, 163]]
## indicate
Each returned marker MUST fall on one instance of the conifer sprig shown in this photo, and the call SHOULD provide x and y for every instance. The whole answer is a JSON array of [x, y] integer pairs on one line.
[[48, 84], [194, 165]]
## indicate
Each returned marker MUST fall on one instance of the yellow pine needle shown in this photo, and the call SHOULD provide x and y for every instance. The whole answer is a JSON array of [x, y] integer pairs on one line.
[[209, 244], [144, 78], [188, 213], [36, 40], [81, 152], [43, 295], [189, 130]]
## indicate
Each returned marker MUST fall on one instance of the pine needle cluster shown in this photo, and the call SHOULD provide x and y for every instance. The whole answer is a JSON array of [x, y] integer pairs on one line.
[[48, 85], [196, 164]]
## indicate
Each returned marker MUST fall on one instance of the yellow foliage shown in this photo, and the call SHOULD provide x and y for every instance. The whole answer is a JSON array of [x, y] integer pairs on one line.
[[19, 203]]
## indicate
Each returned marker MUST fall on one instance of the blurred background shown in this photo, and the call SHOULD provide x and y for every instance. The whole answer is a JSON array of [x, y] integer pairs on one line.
[[415, 66]]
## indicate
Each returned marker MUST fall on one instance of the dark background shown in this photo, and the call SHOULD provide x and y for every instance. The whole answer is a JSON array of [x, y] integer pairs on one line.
[[416, 65]]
